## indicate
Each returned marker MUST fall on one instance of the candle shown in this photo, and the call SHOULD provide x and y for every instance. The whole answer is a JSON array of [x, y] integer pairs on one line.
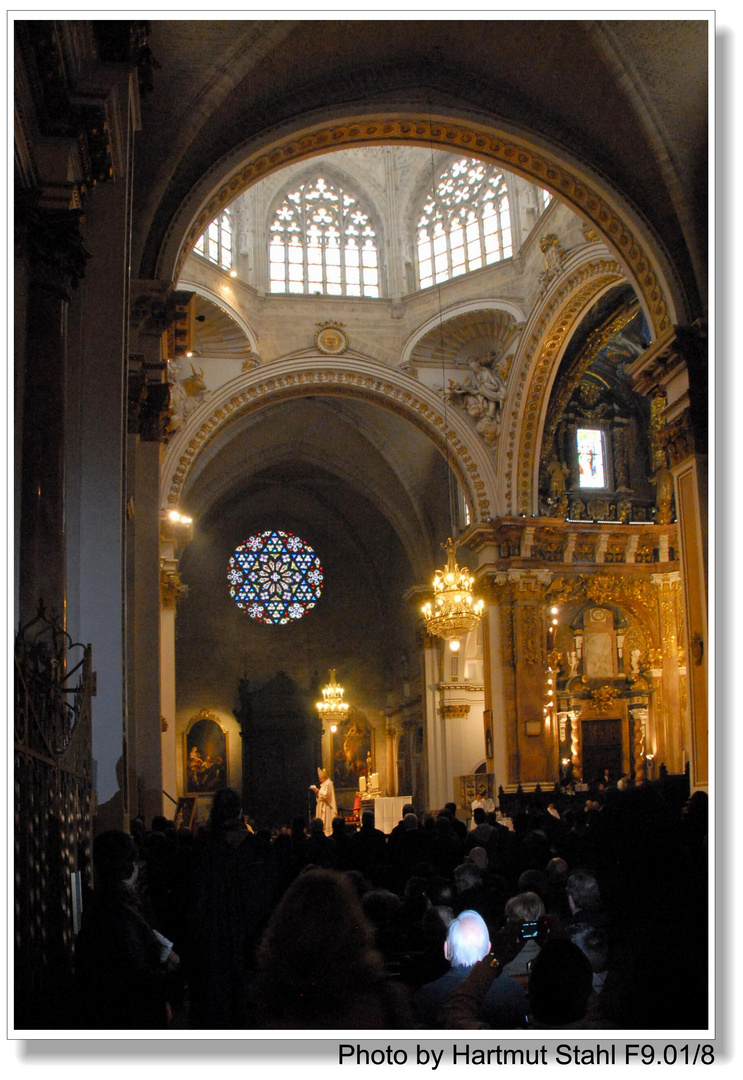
[[362, 784]]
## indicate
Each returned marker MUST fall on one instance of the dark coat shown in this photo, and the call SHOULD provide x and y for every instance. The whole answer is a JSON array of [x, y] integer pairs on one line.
[[120, 978]]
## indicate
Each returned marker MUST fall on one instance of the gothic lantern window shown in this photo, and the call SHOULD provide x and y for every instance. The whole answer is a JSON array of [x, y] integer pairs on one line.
[[465, 222], [216, 243], [322, 240], [275, 577], [591, 458]]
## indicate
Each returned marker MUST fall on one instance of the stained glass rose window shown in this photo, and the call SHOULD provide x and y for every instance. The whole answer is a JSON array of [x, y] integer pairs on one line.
[[275, 577]]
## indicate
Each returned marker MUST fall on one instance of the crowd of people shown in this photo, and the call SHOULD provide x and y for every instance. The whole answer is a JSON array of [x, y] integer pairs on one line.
[[593, 917]]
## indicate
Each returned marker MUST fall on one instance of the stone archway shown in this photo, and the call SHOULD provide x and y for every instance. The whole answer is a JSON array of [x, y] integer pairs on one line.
[[349, 375], [612, 217]]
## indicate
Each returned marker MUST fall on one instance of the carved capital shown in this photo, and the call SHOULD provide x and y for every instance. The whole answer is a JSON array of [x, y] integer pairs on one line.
[[677, 439], [149, 306], [172, 588], [51, 242], [533, 582], [458, 712], [148, 400]]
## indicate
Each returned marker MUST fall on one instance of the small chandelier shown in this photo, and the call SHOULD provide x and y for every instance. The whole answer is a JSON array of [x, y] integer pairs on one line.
[[332, 708], [455, 610]]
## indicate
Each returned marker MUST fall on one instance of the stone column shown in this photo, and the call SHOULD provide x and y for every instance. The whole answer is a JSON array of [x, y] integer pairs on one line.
[[435, 728], [497, 648], [639, 717], [535, 743], [576, 756], [99, 501], [671, 725], [393, 736], [690, 479], [152, 726], [52, 246], [174, 533], [674, 370]]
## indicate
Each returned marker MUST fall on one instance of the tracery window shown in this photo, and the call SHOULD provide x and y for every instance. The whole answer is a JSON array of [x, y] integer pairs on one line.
[[591, 468], [275, 577], [216, 243], [323, 241], [465, 223]]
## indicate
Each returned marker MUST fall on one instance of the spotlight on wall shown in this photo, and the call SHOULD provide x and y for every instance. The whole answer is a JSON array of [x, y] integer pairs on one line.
[[176, 528]]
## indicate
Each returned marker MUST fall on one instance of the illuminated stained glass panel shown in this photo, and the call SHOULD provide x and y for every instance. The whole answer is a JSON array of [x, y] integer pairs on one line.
[[275, 577], [591, 458]]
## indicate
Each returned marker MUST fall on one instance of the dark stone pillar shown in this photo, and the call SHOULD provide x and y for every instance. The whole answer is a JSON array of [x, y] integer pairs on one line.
[[52, 248]]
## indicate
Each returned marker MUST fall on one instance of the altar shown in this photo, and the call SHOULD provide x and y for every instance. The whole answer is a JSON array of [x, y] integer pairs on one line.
[[387, 810]]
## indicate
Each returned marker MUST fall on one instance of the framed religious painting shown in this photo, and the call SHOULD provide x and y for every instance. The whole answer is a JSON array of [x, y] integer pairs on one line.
[[205, 755], [352, 750], [185, 812]]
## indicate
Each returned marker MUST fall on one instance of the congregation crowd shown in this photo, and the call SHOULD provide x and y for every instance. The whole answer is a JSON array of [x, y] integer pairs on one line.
[[580, 918]]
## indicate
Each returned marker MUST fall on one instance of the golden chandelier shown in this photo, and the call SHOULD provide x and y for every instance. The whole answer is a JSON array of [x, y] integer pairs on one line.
[[455, 611], [332, 708]]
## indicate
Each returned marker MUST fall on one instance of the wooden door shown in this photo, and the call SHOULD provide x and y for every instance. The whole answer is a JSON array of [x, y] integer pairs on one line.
[[602, 749]]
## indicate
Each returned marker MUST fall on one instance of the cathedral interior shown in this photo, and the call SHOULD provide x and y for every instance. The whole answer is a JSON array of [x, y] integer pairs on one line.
[[307, 299]]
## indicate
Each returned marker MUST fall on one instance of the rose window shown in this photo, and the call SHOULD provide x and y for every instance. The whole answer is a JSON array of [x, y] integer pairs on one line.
[[275, 577]]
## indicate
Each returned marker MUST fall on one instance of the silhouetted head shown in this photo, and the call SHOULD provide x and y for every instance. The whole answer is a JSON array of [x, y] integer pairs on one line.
[[114, 859], [524, 907], [560, 983], [226, 807], [583, 892]]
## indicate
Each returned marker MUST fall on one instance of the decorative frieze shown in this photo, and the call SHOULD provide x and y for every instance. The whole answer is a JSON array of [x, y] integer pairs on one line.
[[455, 711]]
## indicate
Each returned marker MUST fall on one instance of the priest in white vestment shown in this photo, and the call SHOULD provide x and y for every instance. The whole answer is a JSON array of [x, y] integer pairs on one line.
[[326, 807]]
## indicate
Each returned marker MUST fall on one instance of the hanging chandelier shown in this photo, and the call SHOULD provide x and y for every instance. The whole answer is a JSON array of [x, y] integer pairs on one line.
[[454, 611], [332, 708]]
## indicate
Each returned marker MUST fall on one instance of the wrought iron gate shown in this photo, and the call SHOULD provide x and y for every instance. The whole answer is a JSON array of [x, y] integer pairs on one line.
[[53, 790]]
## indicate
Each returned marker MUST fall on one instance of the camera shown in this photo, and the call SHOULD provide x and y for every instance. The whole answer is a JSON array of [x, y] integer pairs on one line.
[[529, 930]]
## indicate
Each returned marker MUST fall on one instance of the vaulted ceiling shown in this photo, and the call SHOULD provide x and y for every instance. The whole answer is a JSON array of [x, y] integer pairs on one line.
[[627, 96]]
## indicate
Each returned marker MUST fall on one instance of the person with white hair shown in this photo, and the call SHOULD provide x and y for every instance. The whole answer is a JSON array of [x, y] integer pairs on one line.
[[468, 941], [326, 807]]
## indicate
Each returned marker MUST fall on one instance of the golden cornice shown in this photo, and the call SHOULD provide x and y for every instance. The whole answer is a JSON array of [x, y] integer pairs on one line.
[[510, 545], [468, 688], [333, 381], [551, 343], [512, 153], [455, 712], [651, 371]]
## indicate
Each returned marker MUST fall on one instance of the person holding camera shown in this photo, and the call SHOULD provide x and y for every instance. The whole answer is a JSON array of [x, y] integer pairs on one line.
[[504, 1004]]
